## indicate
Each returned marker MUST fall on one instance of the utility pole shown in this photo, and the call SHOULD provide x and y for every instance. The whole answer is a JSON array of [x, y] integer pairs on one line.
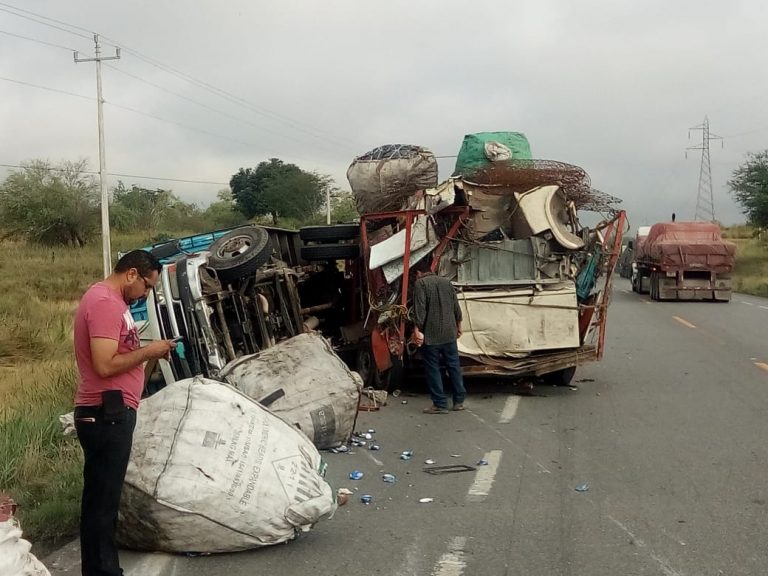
[[106, 245], [705, 201]]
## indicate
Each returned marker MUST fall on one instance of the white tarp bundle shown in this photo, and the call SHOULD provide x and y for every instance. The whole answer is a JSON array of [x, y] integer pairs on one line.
[[512, 322], [15, 556], [303, 381], [213, 471]]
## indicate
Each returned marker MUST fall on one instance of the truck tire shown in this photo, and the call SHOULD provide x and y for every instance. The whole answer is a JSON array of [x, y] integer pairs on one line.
[[330, 252], [240, 252], [560, 377], [329, 233]]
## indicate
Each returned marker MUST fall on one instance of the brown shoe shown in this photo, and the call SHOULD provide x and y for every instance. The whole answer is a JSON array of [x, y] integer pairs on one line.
[[458, 407], [435, 410]]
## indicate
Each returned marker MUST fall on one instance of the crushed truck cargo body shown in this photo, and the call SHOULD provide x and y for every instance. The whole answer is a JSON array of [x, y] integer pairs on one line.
[[684, 261], [533, 283], [211, 470], [304, 382]]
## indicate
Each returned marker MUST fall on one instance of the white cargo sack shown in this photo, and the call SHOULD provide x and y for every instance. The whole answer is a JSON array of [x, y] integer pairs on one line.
[[213, 471], [385, 177], [303, 381], [15, 556]]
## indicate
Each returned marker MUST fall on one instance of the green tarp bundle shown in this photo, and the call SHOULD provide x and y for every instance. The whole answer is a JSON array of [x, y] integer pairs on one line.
[[472, 155]]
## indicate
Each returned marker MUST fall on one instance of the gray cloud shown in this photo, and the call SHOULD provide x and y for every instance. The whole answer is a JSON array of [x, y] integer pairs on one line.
[[610, 86]]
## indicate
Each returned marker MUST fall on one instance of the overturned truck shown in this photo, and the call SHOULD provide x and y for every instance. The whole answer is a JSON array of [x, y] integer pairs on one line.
[[533, 283]]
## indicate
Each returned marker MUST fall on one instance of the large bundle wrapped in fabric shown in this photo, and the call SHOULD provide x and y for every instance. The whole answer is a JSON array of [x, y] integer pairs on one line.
[[303, 381], [481, 149], [385, 177], [15, 556], [212, 470]]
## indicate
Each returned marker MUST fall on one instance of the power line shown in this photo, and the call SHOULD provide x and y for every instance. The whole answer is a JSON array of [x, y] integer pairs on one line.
[[38, 41], [317, 134], [198, 103], [159, 178], [40, 21], [46, 88]]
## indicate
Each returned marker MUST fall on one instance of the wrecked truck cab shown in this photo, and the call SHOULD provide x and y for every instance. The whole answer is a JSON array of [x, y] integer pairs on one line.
[[224, 294]]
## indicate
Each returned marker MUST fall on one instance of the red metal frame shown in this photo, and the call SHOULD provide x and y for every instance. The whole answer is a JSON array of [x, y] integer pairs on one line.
[[615, 227], [409, 216]]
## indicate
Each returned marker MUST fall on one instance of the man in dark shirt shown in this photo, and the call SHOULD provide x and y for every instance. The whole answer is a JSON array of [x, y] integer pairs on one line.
[[437, 316]]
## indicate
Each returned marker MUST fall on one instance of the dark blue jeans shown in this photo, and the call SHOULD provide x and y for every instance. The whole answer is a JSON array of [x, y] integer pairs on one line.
[[435, 356], [106, 447]]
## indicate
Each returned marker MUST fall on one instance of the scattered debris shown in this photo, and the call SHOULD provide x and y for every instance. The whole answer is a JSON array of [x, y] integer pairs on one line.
[[426, 500], [482, 463], [374, 447], [455, 455], [343, 449], [406, 455], [437, 470], [389, 478], [430, 461], [585, 380], [355, 475], [583, 487], [366, 499]]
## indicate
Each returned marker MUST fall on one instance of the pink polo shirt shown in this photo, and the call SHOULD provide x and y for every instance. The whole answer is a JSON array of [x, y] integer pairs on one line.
[[103, 313]]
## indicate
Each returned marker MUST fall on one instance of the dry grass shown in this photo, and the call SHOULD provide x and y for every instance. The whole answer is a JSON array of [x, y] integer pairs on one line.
[[39, 467]]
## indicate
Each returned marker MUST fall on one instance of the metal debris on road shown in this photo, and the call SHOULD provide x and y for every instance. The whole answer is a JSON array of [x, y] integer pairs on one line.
[[583, 487], [406, 455], [366, 499], [396, 393], [389, 478], [482, 463], [455, 455], [430, 461], [343, 449], [426, 500], [355, 475], [374, 447], [371, 431], [436, 470], [404, 402]]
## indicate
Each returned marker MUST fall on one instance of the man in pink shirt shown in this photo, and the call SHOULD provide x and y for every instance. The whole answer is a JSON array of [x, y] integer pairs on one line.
[[111, 366]]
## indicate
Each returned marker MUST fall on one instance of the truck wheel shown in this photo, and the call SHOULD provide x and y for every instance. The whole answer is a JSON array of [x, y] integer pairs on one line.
[[560, 377], [240, 252], [366, 367], [329, 233], [330, 252]]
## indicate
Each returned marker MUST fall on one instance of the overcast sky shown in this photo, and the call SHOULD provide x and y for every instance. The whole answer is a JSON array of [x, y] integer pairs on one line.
[[612, 86]]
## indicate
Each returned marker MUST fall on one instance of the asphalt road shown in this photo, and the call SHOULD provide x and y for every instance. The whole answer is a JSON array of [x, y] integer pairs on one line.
[[669, 432]]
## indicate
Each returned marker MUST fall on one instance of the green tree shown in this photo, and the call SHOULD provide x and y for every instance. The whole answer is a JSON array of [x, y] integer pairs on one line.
[[343, 209], [749, 184], [152, 211], [50, 205], [223, 213], [279, 190]]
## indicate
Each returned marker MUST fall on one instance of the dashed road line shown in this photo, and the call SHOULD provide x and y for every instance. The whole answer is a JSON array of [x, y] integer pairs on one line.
[[764, 307], [510, 409], [664, 565], [684, 322], [747, 303], [452, 562], [484, 477]]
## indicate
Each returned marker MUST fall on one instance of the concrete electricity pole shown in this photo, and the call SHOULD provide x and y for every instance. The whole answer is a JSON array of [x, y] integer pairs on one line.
[[106, 244]]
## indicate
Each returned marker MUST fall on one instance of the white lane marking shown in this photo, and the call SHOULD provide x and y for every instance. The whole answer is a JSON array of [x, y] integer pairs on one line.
[[511, 443], [663, 564], [684, 322], [747, 303], [372, 457], [484, 477], [510, 409], [452, 562], [151, 565], [764, 307]]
